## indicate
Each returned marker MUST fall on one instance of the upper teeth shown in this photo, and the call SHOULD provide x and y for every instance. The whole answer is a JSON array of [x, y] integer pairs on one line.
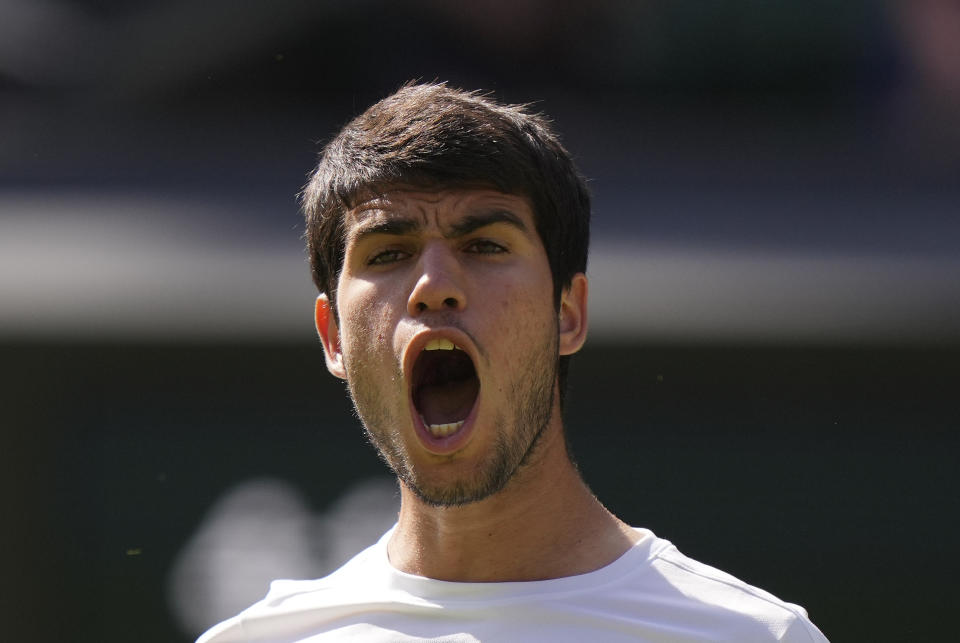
[[440, 345]]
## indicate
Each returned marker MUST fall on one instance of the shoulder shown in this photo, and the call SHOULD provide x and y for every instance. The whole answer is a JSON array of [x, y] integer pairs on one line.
[[288, 601], [726, 601]]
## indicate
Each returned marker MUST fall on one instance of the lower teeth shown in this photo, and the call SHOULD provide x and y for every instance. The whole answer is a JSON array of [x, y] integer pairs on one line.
[[443, 430]]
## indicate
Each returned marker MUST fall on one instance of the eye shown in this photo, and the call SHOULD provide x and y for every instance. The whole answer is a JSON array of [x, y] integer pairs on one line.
[[485, 247], [387, 257]]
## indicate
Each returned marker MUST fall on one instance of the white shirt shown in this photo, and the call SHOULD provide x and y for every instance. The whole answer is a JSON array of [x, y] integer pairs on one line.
[[651, 593]]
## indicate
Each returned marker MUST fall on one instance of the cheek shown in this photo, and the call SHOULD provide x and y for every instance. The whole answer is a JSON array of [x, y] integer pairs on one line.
[[526, 321], [367, 331]]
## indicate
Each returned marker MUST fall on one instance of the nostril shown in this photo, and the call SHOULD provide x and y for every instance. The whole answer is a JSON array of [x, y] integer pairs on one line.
[[450, 303]]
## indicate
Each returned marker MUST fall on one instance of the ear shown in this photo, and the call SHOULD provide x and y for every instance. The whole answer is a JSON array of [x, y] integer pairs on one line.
[[573, 315], [329, 336]]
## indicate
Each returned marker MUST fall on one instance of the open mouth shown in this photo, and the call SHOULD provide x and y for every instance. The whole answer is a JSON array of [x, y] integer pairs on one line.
[[445, 387]]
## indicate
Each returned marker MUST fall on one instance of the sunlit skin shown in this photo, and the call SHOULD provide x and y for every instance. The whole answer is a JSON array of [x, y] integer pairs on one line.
[[468, 265]]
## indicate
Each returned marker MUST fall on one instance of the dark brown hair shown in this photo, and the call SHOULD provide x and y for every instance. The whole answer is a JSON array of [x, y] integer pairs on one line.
[[433, 136]]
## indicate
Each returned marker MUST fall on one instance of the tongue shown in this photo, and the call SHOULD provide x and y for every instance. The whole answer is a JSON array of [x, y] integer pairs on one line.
[[447, 402]]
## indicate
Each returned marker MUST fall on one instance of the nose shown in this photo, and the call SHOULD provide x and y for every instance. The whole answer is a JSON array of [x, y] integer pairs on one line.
[[439, 285]]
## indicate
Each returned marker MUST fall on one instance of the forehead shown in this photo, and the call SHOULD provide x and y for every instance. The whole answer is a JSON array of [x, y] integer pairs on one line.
[[426, 206]]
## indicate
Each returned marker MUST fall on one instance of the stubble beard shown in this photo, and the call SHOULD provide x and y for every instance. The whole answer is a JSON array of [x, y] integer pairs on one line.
[[530, 398]]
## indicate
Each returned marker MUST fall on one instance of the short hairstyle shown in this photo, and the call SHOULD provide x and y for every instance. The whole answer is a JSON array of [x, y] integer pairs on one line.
[[432, 136]]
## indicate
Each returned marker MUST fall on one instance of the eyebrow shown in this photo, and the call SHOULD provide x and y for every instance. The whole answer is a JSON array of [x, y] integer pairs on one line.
[[395, 227], [463, 227], [473, 222]]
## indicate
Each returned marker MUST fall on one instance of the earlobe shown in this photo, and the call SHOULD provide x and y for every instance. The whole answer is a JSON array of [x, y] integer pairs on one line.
[[329, 336], [573, 315]]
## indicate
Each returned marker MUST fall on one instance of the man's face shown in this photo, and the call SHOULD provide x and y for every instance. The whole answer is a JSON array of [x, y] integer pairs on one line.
[[448, 335]]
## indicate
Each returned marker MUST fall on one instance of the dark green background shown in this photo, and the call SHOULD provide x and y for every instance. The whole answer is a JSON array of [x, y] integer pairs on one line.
[[825, 475]]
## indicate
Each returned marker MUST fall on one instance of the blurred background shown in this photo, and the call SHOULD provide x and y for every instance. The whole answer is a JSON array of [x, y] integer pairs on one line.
[[771, 378]]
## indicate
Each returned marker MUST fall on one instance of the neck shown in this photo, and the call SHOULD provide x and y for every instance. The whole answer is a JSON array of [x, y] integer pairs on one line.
[[544, 524]]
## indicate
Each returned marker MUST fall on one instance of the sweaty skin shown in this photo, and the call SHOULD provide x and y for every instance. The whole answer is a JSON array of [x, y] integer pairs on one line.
[[498, 498]]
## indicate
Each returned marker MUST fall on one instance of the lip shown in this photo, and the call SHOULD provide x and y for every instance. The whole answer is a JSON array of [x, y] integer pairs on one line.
[[449, 444]]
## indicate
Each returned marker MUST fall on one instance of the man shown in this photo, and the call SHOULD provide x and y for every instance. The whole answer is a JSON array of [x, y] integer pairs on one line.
[[448, 237]]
